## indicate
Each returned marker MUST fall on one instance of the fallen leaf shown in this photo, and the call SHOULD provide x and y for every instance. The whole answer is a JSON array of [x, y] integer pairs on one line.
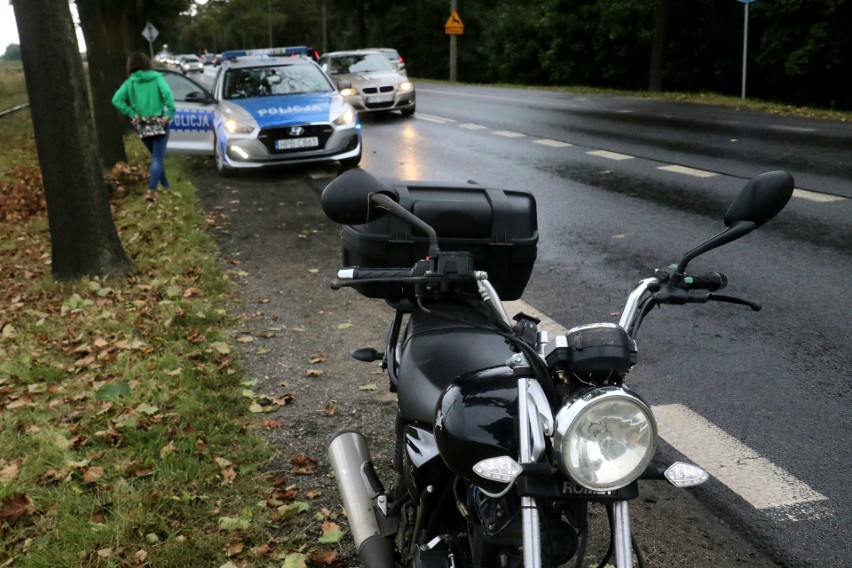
[[220, 347], [314, 373], [293, 509], [169, 448], [232, 524], [13, 508], [234, 547], [93, 474], [331, 533], [368, 387], [317, 358], [346, 325], [330, 408], [295, 560], [304, 465], [229, 475], [10, 472], [324, 557]]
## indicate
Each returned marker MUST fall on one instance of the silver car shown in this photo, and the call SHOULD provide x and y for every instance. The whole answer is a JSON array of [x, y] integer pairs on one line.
[[369, 81], [190, 64]]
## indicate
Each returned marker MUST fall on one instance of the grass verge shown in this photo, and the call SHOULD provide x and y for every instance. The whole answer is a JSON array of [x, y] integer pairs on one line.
[[127, 434]]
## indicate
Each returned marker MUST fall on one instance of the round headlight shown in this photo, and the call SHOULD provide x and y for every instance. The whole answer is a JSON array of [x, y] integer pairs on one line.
[[605, 439]]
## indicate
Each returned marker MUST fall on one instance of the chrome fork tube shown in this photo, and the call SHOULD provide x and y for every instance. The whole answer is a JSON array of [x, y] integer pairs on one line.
[[630, 309], [529, 509], [621, 528]]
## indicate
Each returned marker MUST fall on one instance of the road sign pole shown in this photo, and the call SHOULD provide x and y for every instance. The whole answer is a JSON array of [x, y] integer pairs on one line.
[[745, 46], [745, 4], [454, 54]]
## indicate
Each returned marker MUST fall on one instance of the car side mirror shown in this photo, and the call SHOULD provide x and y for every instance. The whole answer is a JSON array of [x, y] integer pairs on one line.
[[198, 97]]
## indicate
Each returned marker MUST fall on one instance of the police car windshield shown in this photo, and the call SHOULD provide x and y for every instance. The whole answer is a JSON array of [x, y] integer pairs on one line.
[[274, 80]]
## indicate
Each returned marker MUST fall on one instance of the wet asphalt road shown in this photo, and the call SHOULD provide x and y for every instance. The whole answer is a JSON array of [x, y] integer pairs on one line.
[[627, 185]]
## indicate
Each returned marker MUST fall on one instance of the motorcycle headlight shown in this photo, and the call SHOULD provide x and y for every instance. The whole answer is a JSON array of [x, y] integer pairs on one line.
[[605, 439], [235, 127]]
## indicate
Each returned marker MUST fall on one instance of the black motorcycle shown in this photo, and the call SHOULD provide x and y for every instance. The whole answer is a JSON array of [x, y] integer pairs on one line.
[[504, 436]]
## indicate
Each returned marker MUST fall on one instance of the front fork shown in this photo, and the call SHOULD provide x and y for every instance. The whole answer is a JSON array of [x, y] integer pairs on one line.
[[534, 419]]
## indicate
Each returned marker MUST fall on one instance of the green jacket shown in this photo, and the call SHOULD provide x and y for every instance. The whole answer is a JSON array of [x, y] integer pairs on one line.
[[145, 93]]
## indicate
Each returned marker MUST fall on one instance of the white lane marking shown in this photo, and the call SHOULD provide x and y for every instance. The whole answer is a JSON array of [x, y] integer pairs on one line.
[[752, 477], [817, 197], [552, 143], [741, 469], [609, 155], [688, 171], [433, 118], [800, 193], [508, 133], [793, 128]]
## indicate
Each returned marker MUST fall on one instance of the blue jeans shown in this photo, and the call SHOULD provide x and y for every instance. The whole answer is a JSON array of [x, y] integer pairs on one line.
[[157, 147]]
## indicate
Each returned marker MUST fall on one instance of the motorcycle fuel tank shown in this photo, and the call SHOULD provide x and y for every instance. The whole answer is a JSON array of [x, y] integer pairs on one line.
[[477, 419], [435, 351]]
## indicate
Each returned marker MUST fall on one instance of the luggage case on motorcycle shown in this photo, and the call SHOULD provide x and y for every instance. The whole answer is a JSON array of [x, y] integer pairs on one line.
[[498, 227]]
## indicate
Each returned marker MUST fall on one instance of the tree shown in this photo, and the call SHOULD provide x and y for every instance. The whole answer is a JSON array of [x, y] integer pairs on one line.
[[104, 27], [13, 52], [83, 238]]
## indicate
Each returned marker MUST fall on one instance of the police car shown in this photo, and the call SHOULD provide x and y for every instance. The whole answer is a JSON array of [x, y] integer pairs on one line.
[[267, 107]]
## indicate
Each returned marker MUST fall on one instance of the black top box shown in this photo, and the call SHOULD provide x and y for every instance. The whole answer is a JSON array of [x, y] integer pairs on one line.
[[498, 227]]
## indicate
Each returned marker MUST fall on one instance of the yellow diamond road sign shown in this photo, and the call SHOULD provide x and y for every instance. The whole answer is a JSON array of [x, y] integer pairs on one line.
[[454, 25]]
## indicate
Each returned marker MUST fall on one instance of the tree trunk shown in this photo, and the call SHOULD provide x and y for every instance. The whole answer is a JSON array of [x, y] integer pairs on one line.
[[107, 54], [83, 238], [655, 74]]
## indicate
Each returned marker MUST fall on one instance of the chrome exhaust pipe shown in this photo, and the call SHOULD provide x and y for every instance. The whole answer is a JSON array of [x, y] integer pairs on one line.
[[359, 486]]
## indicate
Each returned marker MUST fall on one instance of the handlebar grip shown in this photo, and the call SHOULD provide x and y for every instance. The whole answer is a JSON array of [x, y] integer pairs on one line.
[[707, 281], [359, 273]]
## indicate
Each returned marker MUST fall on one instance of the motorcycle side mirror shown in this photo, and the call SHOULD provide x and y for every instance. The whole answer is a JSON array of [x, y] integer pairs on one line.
[[760, 200], [347, 199]]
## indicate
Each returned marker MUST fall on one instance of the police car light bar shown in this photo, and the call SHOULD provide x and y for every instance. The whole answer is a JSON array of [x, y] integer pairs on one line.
[[269, 51]]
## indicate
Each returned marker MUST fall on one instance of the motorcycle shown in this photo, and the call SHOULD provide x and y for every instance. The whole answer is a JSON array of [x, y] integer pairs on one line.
[[504, 435]]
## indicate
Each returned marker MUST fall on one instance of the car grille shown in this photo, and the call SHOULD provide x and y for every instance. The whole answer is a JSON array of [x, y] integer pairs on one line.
[[374, 90], [371, 91], [268, 136]]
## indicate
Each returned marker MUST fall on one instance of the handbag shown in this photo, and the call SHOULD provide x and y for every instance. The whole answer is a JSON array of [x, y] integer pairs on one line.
[[150, 127]]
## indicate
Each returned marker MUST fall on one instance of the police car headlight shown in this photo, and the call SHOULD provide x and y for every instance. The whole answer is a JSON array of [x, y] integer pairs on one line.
[[349, 92], [605, 439], [405, 87], [234, 127], [348, 117]]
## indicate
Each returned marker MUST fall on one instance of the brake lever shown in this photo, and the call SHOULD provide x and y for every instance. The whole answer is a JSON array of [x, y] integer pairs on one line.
[[755, 306]]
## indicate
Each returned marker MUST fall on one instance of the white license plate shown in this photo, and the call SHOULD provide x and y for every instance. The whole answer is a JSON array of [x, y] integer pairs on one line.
[[379, 99], [291, 143]]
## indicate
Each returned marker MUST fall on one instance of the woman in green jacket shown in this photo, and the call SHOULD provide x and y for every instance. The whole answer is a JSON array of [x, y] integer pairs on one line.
[[145, 93]]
